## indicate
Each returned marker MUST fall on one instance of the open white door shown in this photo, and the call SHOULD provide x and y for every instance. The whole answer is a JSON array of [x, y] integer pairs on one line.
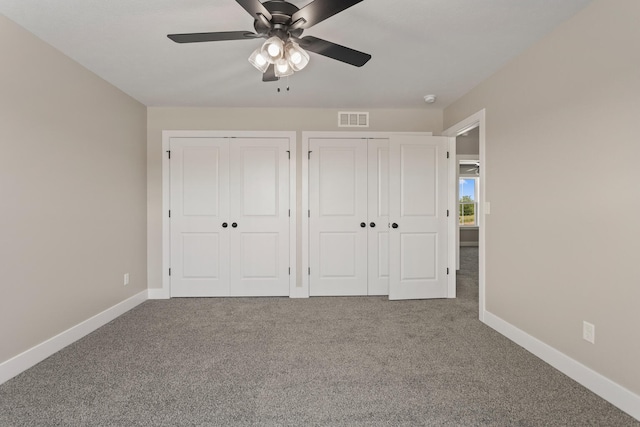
[[418, 217]]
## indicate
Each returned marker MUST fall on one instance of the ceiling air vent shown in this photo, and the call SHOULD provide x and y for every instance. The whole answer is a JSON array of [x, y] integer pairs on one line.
[[352, 119]]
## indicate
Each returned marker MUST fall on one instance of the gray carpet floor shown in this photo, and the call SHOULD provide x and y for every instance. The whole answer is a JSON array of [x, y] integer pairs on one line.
[[359, 361]]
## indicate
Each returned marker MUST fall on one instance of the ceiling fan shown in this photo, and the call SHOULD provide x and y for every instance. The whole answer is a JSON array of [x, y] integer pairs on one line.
[[475, 168], [282, 24]]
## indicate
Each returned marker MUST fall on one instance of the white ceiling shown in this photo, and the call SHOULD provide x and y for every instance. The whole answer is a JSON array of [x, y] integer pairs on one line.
[[419, 47]]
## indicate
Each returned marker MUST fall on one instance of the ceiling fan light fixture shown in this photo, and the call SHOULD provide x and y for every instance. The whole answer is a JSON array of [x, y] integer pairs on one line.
[[298, 58], [258, 60], [273, 49], [282, 68], [282, 23]]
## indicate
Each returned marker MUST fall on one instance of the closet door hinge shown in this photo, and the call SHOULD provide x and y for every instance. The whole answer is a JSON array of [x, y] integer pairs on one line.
[[289, 154], [309, 213], [447, 154], [289, 213], [169, 154], [447, 271], [289, 271], [309, 271], [447, 212], [309, 155], [169, 213], [169, 271]]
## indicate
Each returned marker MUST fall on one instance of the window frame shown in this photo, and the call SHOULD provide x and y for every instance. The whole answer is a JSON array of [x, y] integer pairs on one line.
[[476, 203]]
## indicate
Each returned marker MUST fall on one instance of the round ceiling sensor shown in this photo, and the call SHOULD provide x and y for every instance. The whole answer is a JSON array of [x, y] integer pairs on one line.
[[430, 99]]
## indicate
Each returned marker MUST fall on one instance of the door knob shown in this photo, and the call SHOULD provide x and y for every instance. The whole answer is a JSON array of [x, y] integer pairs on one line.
[[372, 225], [394, 225], [363, 225], [224, 225], [234, 225]]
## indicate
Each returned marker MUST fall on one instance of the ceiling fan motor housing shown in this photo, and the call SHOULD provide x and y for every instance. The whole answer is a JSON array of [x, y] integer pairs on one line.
[[281, 13]]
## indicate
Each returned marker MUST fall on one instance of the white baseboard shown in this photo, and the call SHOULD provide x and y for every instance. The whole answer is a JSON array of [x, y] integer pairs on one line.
[[158, 293], [38, 353], [612, 392]]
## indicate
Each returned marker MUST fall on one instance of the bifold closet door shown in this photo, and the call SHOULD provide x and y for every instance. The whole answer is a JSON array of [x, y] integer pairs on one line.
[[338, 217], [199, 208], [259, 215], [418, 216]]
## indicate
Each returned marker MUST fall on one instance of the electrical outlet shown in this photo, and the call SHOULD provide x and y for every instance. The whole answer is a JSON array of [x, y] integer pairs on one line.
[[589, 332], [126, 279]]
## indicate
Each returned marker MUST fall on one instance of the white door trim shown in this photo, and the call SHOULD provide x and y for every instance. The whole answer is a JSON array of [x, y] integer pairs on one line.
[[303, 290], [477, 119], [165, 293]]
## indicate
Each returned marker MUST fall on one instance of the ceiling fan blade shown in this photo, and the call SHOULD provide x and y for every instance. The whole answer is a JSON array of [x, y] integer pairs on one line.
[[212, 37], [334, 51], [270, 74], [254, 7], [319, 10]]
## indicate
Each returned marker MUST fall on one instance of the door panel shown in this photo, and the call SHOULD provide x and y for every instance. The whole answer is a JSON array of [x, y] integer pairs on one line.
[[418, 205], [418, 255], [200, 254], [338, 256], [259, 181], [418, 178], [378, 215], [338, 205], [337, 170], [259, 255], [199, 193], [259, 208]]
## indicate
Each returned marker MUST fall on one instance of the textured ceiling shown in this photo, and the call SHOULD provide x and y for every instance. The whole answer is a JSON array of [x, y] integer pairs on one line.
[[419, 47]]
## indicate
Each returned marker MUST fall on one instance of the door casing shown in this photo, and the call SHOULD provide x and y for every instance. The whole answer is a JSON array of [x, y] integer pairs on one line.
[[477, 119]]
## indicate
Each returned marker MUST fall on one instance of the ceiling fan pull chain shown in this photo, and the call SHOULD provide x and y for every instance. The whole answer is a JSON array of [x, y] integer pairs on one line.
[[288, 87]]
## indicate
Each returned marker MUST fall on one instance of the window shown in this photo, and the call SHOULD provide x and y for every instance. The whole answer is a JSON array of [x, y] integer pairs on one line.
[[468, 202]]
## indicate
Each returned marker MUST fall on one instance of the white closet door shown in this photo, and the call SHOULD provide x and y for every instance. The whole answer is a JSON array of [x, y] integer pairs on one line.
[[259, 217], [338, 207], [199, 195], [378, 217], [418, 208]]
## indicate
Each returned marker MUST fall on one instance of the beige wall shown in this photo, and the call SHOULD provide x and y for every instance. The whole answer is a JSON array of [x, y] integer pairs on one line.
[[572, 253], [235, 119], [72, 184]]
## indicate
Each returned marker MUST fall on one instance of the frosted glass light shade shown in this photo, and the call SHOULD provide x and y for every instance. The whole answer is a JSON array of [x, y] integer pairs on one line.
[[298, 58], [273, 49], [258, 60], [282, 68]]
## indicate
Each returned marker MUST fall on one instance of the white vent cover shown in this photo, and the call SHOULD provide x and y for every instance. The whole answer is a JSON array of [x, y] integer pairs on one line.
[[353, 119]]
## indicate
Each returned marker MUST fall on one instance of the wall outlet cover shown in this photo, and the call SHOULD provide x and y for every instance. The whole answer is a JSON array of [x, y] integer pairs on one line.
[[589, 332]]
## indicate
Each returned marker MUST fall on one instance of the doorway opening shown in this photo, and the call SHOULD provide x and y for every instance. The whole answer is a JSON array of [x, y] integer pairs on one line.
[[468, 218], [470, 194]]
